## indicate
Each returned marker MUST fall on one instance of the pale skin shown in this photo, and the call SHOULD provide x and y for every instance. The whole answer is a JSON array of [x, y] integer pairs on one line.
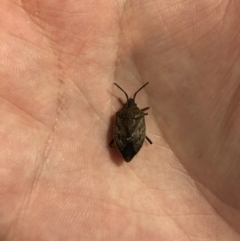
[[60, 180]]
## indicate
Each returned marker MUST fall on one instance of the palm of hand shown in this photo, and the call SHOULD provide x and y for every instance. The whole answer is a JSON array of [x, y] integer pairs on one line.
[[60, 181]]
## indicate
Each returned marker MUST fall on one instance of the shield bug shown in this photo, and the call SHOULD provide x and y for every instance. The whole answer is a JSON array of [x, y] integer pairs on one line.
[[129, 130]]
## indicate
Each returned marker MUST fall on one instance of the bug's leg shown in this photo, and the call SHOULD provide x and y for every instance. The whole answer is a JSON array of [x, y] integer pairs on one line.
[[145, 113], [146, 108], [121, 101], [111, 142], [149, 140]]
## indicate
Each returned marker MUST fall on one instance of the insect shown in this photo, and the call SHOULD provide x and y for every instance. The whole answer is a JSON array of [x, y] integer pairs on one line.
[[129, 130]]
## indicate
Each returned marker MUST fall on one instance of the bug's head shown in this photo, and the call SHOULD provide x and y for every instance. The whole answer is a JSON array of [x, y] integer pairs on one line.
[[131, 102]]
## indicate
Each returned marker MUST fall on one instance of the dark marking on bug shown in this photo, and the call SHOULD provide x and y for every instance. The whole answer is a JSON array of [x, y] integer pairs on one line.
[[129, 131]]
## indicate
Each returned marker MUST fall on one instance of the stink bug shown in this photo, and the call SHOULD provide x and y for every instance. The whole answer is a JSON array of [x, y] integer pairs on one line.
[[129, 131]]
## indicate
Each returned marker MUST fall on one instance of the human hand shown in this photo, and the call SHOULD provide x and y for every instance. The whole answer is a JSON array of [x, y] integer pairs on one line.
[[59, 179]]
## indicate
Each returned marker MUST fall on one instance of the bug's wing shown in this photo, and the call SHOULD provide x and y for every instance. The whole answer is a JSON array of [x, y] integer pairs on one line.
[[120, 134], [129, 135], [139, 134], [122, 139]]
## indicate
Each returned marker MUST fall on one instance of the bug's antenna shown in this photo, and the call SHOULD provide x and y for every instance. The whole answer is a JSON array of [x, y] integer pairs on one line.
[[122, 90], [139, 90]]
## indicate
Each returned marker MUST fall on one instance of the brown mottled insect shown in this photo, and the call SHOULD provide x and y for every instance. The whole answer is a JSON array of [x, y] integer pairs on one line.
[[129, 131]]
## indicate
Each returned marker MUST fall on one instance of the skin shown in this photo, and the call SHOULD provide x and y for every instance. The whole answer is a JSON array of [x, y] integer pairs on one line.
[[59, 180]]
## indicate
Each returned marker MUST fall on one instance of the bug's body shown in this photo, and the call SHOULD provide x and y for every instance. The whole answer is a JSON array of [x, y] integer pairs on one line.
[[129, 130]]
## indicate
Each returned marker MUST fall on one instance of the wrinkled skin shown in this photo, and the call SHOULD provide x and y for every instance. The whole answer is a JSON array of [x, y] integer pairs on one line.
[[59, 180]]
